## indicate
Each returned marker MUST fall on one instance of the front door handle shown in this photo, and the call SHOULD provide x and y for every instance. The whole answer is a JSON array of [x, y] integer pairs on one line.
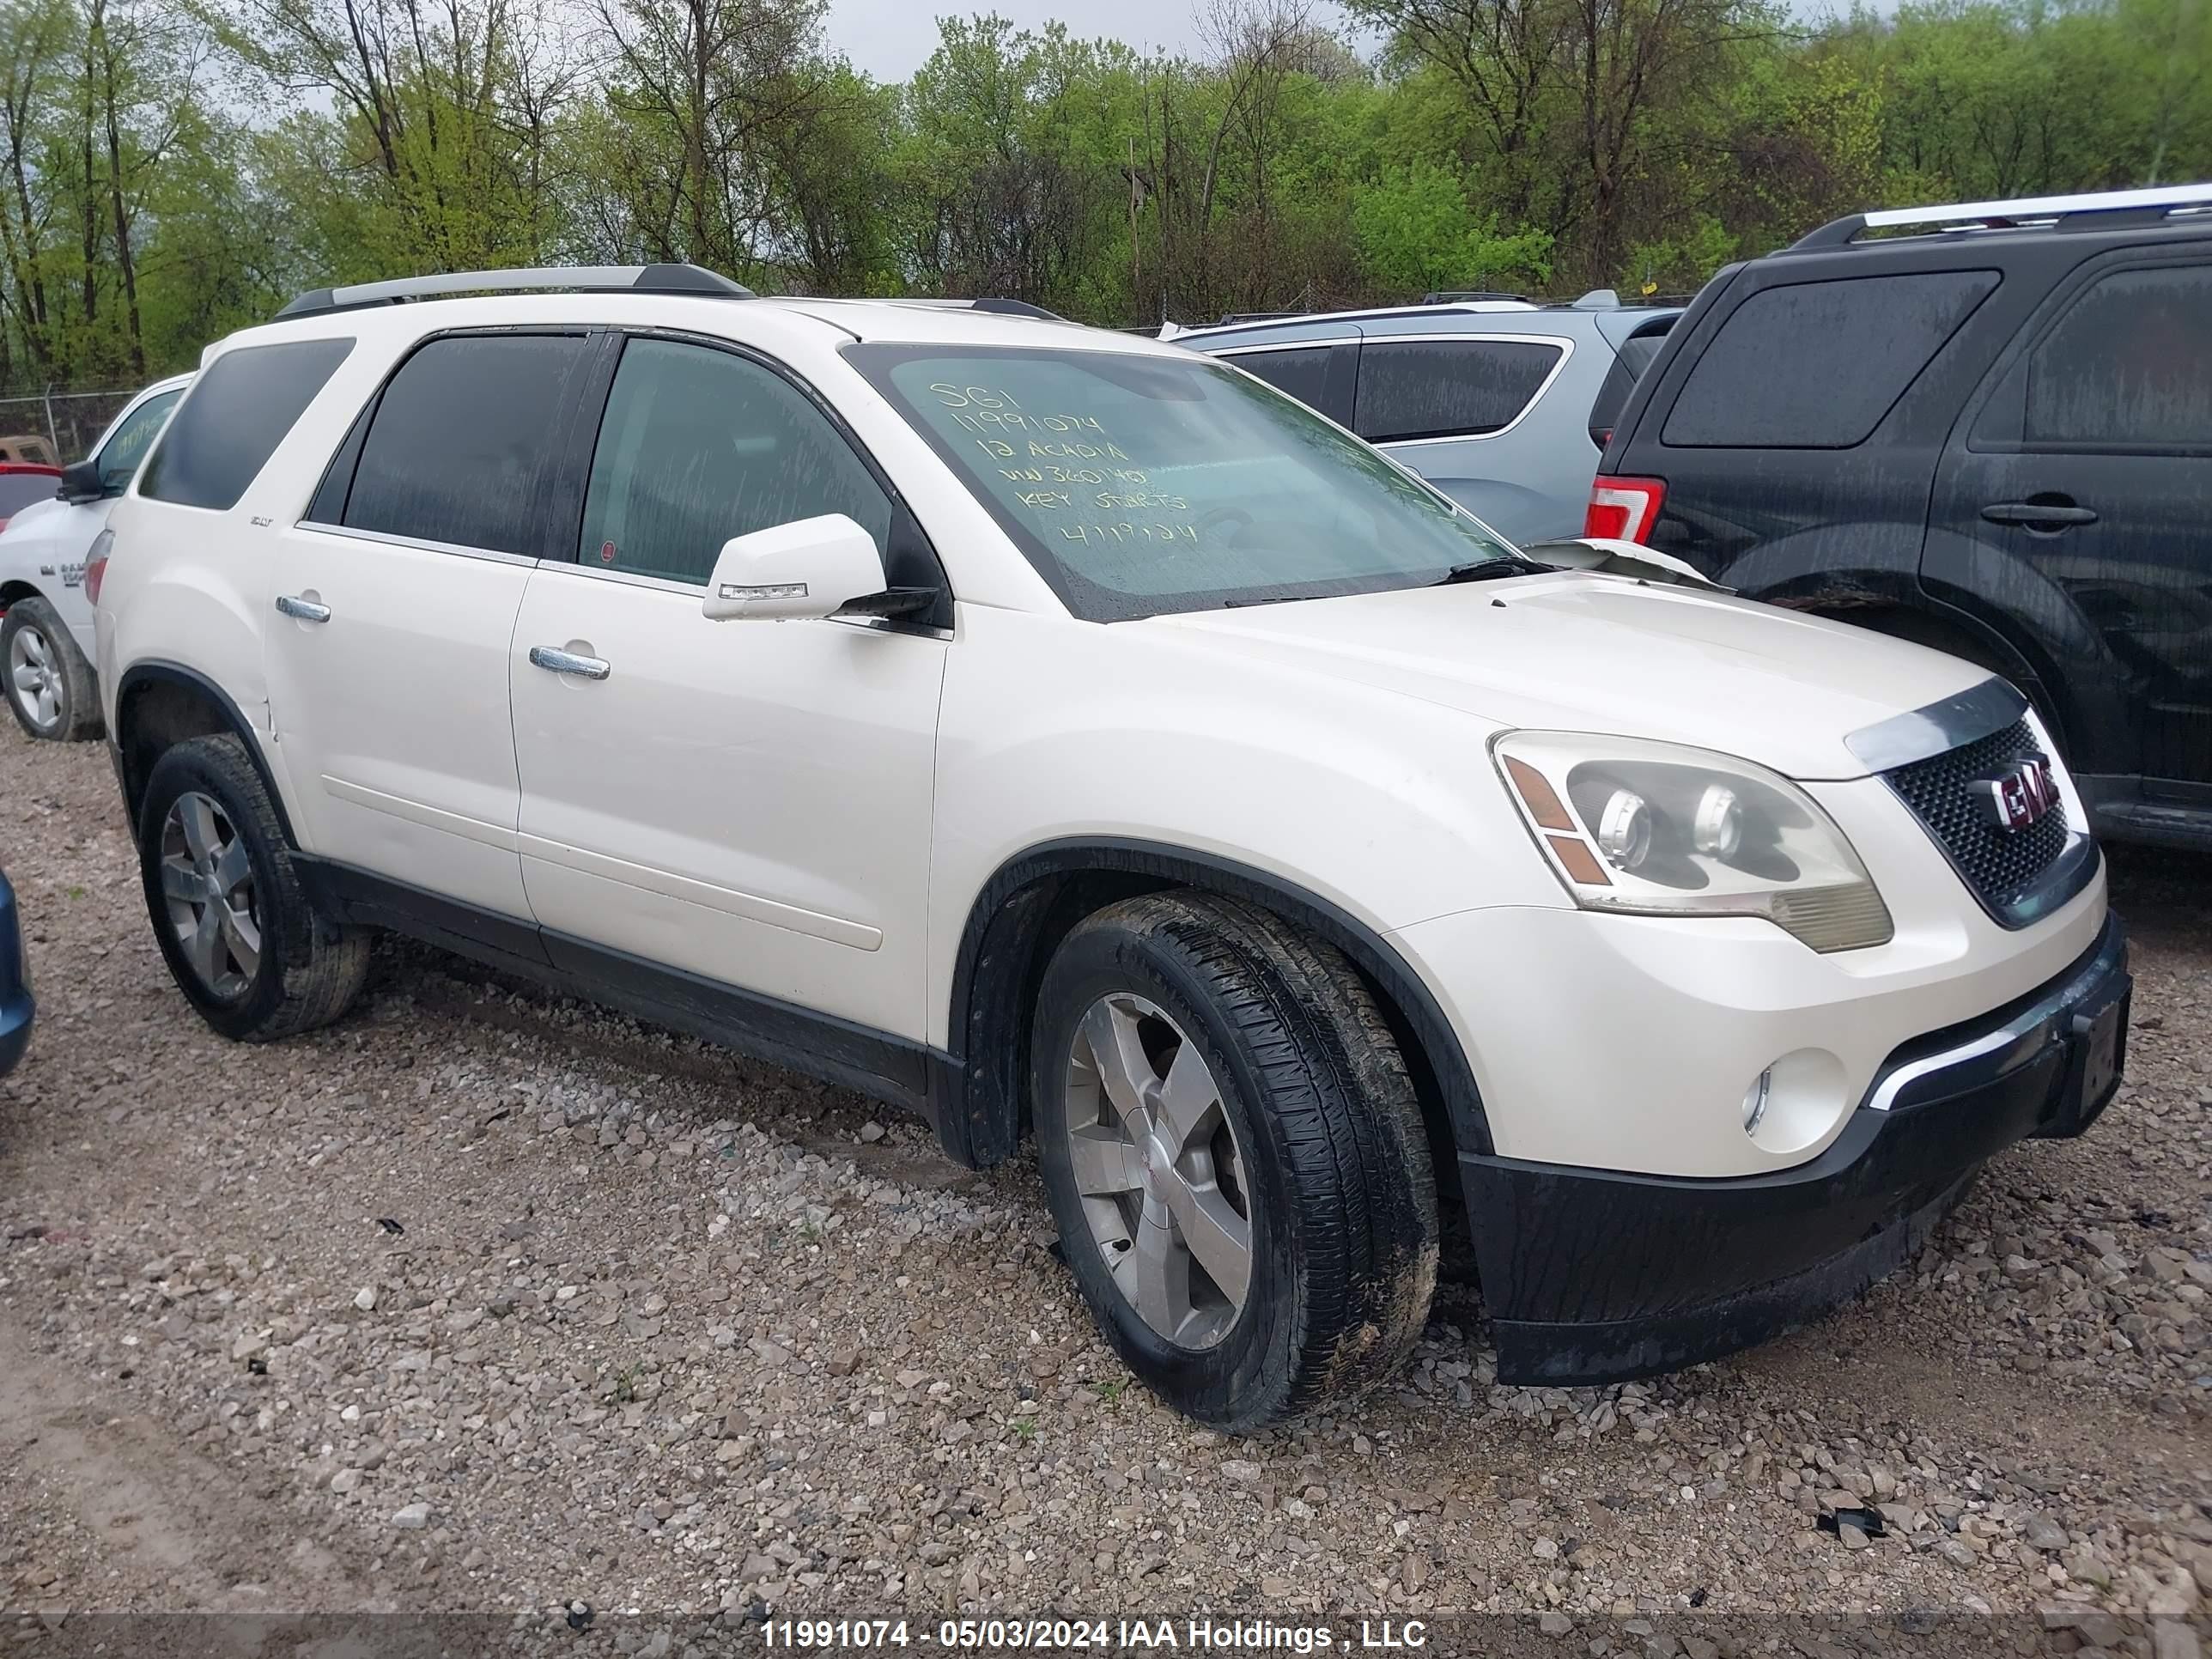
[[2053, 515], [302, 610], [558, 661]]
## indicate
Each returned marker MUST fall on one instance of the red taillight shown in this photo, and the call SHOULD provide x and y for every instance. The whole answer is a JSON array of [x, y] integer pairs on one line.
[[1624, 509], [94, 570]]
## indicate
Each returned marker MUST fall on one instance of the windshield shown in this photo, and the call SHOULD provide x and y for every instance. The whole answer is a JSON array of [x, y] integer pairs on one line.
[[1141, 484]]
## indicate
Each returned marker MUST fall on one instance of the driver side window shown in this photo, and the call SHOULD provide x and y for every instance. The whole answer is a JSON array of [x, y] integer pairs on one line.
[[698, 445], [127, 445]]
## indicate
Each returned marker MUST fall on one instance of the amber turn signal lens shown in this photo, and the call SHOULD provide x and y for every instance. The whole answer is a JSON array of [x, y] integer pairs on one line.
[[1536, 792], [1581, 863]]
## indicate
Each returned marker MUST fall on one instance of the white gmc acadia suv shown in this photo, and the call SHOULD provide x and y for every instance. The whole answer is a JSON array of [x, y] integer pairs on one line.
[[1066, 735]]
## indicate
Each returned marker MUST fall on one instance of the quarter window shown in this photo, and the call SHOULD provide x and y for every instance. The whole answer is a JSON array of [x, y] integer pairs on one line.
[[2129, 366], [1447, 388], [465, 440], [699, 446], [1818, 365], [239, 409]]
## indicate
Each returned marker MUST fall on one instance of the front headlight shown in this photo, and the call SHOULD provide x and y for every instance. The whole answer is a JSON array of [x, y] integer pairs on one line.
[[1655, 830]]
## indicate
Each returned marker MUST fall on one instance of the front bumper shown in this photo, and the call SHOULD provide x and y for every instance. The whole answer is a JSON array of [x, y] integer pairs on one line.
[[1595, 1276]]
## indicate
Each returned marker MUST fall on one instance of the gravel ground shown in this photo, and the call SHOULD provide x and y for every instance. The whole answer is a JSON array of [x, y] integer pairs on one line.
[[485, 1299]]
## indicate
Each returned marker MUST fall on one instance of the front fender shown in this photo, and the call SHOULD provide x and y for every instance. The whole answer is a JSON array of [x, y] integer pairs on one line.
[[1378, 804], [1357, 810]]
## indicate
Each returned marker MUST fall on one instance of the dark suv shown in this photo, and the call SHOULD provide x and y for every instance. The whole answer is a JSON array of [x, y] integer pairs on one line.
[[1986, 428]]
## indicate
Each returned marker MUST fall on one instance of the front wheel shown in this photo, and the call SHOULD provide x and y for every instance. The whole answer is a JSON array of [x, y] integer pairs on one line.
[[241, 938], [50, 688], [1234, 1156]]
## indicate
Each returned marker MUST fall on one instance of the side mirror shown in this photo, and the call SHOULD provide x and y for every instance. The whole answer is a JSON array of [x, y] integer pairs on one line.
[[82, 483], [808, 569]]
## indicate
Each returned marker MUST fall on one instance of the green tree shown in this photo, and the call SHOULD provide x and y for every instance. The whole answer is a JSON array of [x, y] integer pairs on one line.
[[1416, 233]]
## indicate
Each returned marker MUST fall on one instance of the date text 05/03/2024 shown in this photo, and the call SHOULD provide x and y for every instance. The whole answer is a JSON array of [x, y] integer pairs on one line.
[[1092, 1635]]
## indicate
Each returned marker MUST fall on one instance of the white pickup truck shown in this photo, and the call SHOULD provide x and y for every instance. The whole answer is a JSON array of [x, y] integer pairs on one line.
[[45, 620]]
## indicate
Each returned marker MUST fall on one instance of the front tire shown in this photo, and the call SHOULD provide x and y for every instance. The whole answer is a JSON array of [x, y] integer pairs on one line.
[[240, 939], [1234, 1156], [51, 687]]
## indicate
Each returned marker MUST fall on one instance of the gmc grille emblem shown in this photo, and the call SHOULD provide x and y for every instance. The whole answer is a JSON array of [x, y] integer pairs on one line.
[[2017, 797]]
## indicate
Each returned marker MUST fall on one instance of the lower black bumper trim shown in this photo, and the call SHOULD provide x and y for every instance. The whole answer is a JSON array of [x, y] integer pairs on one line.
[[1535, 1351], [1596, 1275]]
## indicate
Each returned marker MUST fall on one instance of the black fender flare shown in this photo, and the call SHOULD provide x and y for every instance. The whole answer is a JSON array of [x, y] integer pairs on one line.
[[135, 680], [997, 961]]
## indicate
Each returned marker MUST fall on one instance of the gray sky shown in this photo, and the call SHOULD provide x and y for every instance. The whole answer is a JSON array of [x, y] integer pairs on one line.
[[888, 39]]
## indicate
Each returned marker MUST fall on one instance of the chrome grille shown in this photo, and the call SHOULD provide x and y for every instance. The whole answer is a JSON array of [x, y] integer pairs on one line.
[[2002, 866]]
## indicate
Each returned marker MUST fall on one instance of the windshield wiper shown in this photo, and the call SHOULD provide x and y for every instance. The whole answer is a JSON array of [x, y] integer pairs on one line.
[[1486, 570]]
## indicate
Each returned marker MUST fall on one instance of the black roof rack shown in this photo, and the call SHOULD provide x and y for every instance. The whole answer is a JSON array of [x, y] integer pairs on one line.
[[591, 279], [1014, 308], [1460, 296], [2094, 210], [989, 302]]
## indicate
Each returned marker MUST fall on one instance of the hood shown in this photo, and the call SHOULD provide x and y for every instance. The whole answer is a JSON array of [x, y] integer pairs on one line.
[[1579, 652], [34, 512]]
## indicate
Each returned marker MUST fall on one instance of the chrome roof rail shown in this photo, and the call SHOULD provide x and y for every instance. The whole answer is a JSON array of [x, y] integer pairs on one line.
[[593, 279], [2039, 211], [990, 303]]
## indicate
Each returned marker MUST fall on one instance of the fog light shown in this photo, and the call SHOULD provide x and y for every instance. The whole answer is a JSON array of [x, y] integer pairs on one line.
[[1797, 1103], [1755, 1099]]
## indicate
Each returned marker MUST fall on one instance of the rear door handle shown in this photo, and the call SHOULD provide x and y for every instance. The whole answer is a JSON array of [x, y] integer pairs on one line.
[[558, 661], [2038, 515], [302, 610]]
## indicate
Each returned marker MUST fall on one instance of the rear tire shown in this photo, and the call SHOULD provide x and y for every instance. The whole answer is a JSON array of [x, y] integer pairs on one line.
[[50, 688], [239, 937], [1274, 1110]]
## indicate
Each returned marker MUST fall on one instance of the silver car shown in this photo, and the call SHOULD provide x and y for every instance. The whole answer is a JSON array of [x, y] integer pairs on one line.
[[1502, 404]]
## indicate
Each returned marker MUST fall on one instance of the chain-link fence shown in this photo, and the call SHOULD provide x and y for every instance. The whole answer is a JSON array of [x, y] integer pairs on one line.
[[68, 422]]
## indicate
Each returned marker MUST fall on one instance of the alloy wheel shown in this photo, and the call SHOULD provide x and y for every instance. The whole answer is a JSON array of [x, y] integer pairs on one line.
[[1159, 1170], [207, 880], [35, 678]]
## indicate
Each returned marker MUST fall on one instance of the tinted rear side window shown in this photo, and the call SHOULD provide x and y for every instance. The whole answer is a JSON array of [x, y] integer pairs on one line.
[[461, 439], [1303, 372], [1817, 365], [1637, 352], [1447, 388], [2129, 366], [237, 413]]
